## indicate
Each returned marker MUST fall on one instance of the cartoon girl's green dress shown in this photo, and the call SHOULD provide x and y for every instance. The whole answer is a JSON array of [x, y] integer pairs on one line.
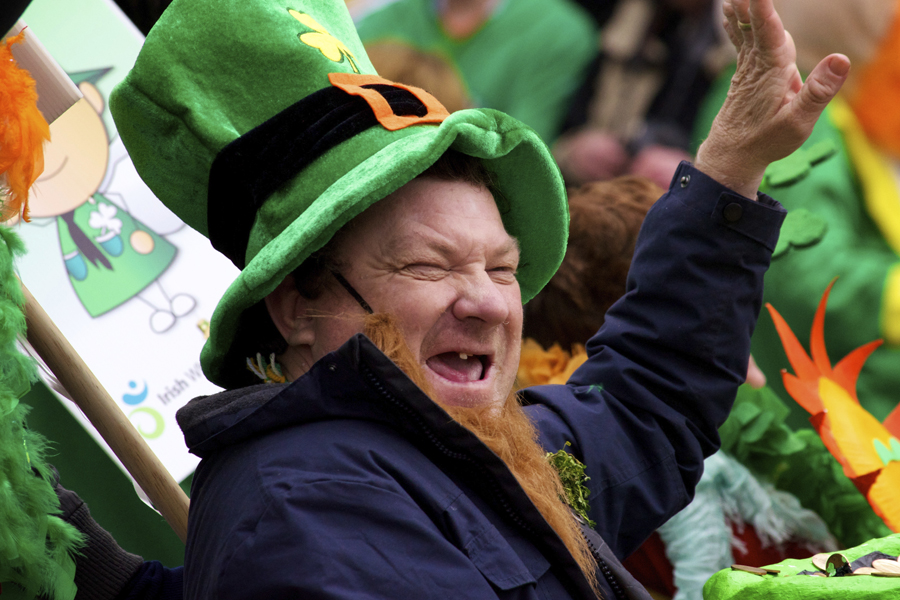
[[109, 255]]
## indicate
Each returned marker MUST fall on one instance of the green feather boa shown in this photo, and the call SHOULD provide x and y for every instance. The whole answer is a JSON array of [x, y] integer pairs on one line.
[[36, 547]]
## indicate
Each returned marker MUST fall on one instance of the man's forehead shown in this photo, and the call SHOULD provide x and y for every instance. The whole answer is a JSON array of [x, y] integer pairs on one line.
[[437, 213], [412, 239]]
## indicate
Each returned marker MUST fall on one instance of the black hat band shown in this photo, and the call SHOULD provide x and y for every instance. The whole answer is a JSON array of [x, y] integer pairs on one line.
[[251, 168]]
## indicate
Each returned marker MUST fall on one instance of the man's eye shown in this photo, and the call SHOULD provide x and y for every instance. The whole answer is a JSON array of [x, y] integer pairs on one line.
[[503, 274], [425, 269], [508, 268]]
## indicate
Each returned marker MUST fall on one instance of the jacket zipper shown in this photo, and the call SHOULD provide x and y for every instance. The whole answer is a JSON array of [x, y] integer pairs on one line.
[[601, 563], [494, 486], [423, 427]]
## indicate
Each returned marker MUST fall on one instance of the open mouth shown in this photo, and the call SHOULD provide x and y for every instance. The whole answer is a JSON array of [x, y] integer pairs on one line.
[[459, 367]]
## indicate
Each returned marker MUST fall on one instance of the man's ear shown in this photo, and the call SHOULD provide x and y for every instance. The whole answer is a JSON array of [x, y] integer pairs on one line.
[[288, 311]]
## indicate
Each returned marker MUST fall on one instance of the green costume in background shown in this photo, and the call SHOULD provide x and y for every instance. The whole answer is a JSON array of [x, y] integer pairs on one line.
[[126, 256], [830, 232], [854, 248], [526, 60], [835, 188]]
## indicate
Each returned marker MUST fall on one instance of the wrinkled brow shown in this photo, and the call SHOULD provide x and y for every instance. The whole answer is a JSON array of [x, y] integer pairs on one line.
[[408, 246]]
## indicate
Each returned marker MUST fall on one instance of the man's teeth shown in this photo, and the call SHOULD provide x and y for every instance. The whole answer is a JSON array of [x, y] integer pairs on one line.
[[464, 356]]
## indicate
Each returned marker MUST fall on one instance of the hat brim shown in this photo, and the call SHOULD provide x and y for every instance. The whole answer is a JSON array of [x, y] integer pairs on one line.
[[533, 207]]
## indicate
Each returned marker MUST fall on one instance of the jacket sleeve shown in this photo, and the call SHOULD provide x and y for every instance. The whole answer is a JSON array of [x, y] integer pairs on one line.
[[643, 411], [153, 581]]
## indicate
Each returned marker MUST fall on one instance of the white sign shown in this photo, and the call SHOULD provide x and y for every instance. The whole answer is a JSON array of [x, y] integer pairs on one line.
[[128, 284]]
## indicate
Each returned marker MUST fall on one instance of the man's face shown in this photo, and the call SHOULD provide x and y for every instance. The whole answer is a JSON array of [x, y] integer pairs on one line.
[[435, 255]]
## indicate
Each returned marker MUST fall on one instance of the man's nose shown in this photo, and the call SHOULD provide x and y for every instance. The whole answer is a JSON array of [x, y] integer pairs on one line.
[[481, 298]]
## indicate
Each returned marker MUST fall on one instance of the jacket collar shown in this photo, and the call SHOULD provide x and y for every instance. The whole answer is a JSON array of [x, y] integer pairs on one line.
[[358, 381]]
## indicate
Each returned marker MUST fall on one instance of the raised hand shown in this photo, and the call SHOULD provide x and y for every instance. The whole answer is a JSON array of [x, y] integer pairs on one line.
[[770, 110]]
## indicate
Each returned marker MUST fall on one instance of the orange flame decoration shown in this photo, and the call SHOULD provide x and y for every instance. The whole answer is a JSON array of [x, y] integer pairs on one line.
[[23, 131], [868, 450]]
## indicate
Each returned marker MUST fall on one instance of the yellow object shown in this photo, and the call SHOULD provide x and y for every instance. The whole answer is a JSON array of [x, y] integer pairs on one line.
[[269, 373], [552, 366], [876, 178], [890, 307], [332, 48], [882, 198], [868, 451], [203, 326]]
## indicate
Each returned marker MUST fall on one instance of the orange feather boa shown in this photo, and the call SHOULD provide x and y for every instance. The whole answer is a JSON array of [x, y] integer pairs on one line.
[[23, 131]]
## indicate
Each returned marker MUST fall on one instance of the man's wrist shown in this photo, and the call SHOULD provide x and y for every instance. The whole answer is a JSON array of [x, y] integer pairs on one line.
[[730, 168]]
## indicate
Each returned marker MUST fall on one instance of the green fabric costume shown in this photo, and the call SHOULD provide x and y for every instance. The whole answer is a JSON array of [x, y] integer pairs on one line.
[[526, 60], [790, 585], [853, 249], [830, 232], [136, 256]]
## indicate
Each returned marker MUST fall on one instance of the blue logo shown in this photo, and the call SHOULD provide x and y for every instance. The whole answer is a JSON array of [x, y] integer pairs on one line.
[[137, 398], [148, 416]]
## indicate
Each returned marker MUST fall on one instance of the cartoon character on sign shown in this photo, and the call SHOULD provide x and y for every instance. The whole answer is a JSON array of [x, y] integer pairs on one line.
[[110, 256]]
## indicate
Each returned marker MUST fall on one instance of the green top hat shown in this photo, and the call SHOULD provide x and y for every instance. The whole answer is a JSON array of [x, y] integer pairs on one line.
[[260, 124]]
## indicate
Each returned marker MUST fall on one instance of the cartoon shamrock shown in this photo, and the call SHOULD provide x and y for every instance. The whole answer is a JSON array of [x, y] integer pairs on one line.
[[331, 47], [104, 219]]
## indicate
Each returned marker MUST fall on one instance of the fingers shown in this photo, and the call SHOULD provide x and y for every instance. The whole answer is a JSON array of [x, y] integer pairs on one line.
[[821, 86], [755, 377], [743, 20], [767, 25], [731, 24], [754, 23], [796, 81], [770, 112]]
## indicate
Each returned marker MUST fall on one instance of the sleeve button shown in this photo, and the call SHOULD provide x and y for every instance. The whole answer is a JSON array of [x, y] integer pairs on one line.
[[733, 212], [685, 180]]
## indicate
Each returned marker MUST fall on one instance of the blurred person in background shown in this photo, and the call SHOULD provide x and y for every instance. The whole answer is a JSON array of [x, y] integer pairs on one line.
[[523, 57], [635, 111]]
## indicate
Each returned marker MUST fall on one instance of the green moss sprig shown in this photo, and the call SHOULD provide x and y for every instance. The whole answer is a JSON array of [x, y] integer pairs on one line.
[[571, 472]]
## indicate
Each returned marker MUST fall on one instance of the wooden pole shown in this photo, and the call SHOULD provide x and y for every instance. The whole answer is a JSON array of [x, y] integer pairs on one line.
[[101, 410]]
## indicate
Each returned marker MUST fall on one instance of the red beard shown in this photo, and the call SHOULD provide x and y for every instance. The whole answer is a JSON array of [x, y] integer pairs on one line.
[[508, 432]]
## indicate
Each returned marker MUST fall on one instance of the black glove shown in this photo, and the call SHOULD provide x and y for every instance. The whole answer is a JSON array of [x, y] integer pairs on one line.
[[102, 567]]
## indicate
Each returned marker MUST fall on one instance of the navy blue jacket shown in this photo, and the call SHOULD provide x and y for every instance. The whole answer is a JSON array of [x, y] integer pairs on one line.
[[351, 483]]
